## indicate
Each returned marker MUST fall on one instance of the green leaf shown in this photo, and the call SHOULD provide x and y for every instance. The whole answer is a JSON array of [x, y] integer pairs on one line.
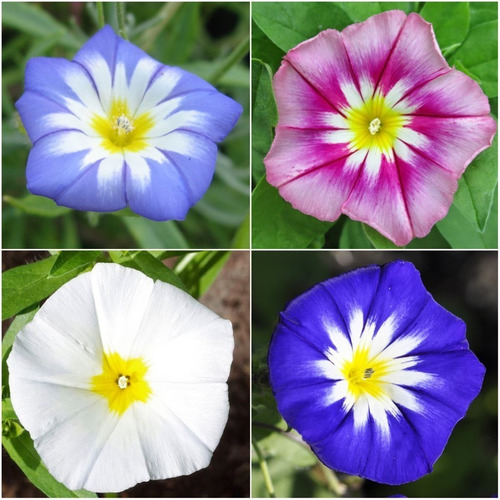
[[68, 261], [242, 237], [264, 49], [22, 451], [476, 188], [37, 205], [276, 224], [8, 412], [264, 115], [450, 21], [199, 270], [288, 24], [360, 11], [377, 240], [354, 236], [152, 267], [461, 234], [30, 18], [26, 285], [151, 234], [433, 240], [11, 428], [482, 12], [15, 327], [184, 31], [479, 54]]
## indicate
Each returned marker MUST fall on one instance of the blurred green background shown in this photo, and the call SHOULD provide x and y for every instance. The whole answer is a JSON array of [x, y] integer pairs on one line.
[[199, 37], [465, 283]]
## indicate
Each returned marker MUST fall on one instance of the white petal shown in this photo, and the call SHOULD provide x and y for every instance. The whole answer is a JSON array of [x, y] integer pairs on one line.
[[403, 345], [173, 449], [143, 73], [121, 297], [404, 397], [383, 336], [83, 87], [109, 169], [410, 378], [203, 408], [120, 85], [360, 412], [139, 171], [71, 142], [183, 340], [184, 119], [120, 462], [65, 121], [161, 87], [339, 341]]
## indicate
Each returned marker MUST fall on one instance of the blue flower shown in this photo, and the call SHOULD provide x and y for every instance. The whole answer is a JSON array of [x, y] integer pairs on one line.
[[115, 128], [373, 373]]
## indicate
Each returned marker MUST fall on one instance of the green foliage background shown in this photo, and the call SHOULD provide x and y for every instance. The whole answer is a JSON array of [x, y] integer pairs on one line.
[[199, 37], [467, 34], [465, 283]]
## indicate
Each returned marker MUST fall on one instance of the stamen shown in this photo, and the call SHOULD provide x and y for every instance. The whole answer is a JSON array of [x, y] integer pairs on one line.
[[123, 124], [374, 126], [368, 373], [123, 382]]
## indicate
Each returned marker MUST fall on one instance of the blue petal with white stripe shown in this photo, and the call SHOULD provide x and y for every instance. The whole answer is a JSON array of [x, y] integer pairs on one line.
[[373, 373], [104, 129]]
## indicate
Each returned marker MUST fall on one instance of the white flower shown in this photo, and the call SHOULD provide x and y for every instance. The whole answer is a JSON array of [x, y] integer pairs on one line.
[[119, 380]]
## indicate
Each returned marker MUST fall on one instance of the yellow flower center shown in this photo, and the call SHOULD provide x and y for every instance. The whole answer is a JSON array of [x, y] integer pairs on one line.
[[122, 131], [375, 125], [363, 374], [122, 382]]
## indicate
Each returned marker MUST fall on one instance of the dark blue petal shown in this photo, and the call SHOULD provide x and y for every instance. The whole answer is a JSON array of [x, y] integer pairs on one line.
[[401, 443]]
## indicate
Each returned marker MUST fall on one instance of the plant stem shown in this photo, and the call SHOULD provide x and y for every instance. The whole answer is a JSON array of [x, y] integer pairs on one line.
[[163, 17], [234, 57], [265, 470], [334, 484], [100, 14], [120, 13]]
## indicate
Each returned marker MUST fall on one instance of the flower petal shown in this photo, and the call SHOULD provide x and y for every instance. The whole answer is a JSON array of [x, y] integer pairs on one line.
[[100, 188], [211, 114], [324, 64], [300, 105], [377, 199], [369, 45], [296, 152], [58, 160], [157, 190], [167, 184], [121, 298], [415, 58], [171, 82], [167, 337], [384, 429]]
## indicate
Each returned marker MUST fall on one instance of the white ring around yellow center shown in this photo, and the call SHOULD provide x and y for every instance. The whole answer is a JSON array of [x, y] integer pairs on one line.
[[374, 124], [364, 374], [120, 130]]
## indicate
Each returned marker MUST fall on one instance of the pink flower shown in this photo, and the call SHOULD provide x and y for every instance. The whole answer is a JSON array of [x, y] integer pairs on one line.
[[373, 123]]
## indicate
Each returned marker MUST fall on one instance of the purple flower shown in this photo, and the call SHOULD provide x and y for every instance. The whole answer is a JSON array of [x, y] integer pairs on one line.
[[373, 373], [115, 128]]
